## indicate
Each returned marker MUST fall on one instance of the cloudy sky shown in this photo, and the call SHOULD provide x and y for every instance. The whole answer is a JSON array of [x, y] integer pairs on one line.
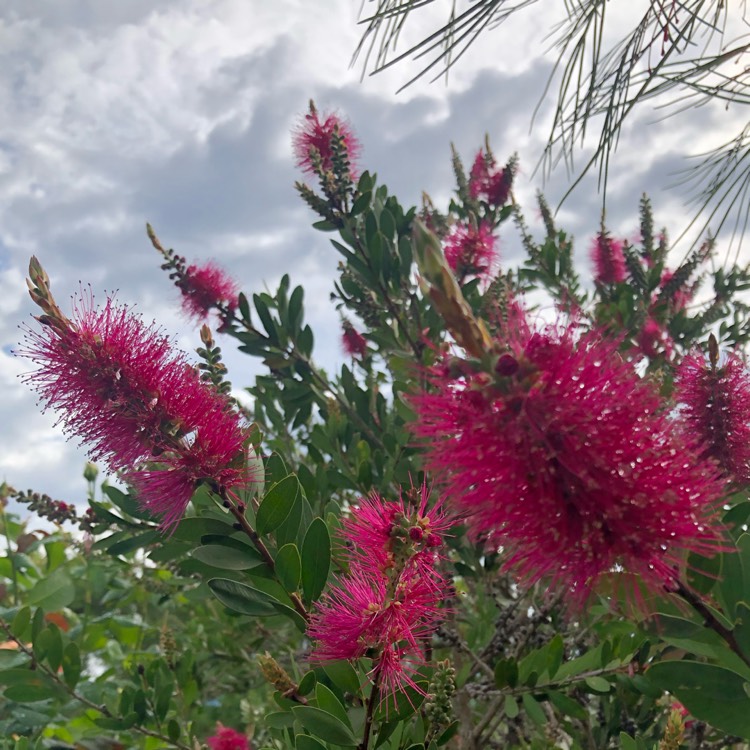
[[179, 112]]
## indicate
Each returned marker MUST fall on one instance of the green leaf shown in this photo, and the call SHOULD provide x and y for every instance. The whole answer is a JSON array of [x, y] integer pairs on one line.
[[305, 742], [703, 572], [242, 598], [327, 701], [278, 720], [735, 570], [192, 529], [506, 673], [511, 707], [554, 655], [567, 705], [316, 559], [10, 659], [31, 693], [627, 742], [48, 646], [598, 684], [277, 504], [71, 664], [295, 311], [133, 543], [742, 627], [361, 203], [53, 592], [265, 318], [343, 675], [242, 557], [307, 683], [712, 694], [173, 730], [124, 502], [289, 567], [21, 622], [325, 725], [243, 306], [533, 710], [449, 733]]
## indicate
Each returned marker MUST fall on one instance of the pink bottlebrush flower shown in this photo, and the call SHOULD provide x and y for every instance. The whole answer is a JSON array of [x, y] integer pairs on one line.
[[682, 297], [205, 288], [609, 260], [716, 404], [653, 340], [384, 534], [121, 389], [312, 141], [227, 738], [569, 463], [389, 603], [488, 182], [366, 614], [471, 250], [354, 343]]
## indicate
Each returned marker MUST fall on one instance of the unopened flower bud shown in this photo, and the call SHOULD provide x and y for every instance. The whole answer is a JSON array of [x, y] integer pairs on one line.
[[506, 365]]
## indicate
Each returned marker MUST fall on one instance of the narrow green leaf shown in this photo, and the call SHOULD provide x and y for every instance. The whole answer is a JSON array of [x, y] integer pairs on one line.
[[71, 664], [242, 598], [554, 655], [627, 742], [48, 646], [307, 683], [277, 504], [21, 622], [133, 543], [316, 559], [533, 710], [289, 567], [506, 673], [242, 557], [567, 705], [173, 730], [295, 311]]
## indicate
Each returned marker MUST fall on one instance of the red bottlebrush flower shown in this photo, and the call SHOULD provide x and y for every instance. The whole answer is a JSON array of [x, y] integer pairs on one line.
[[389, 603], [569, 464], [312, 142], [716, 407], [121, 389], [609, 260], [227, 738], [653, 340], [205, 288], [471, 250], [488, 182], [354, 343]]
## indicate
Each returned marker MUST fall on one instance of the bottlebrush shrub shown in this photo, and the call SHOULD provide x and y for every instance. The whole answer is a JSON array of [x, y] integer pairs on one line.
[[572, 469]]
